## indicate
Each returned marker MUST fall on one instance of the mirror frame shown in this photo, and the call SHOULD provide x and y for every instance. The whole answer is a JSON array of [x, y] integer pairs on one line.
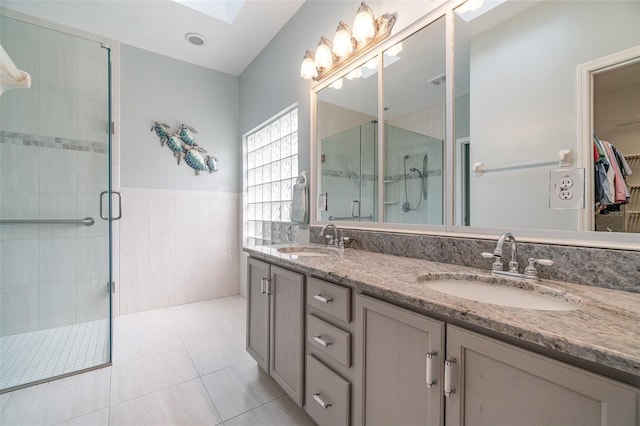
[[584, 77]]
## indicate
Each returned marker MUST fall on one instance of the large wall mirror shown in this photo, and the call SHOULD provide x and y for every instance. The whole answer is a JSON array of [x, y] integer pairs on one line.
[[540, 90], [414, 127], [518, 108], [347, 135]]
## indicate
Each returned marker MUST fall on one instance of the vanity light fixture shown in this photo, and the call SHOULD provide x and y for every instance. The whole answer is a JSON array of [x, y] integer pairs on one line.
[[342, 41], [394, 50], [336, 84], [364, 26], [324, 55], [367, 32], [357, 73], [308, 69]]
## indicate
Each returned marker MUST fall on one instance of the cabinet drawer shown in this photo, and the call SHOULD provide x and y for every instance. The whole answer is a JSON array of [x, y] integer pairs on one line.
[[330, 298], [330, 340], [327, 396]]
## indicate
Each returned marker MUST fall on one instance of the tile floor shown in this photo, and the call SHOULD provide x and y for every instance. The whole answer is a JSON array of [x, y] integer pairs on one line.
[[184, 365], [37, 355]]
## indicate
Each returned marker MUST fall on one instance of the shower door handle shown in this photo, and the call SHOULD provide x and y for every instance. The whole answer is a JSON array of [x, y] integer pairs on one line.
[[119, 206], [119, 216]]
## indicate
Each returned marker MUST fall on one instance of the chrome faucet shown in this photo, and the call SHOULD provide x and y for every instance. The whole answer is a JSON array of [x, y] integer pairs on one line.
[[497, 267], [497, 252], [332, 240]]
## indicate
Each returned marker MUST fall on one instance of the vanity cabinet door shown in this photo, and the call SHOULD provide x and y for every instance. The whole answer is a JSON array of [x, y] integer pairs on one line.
[[258, 312], [287, 331], [499, 384], [396, 350]]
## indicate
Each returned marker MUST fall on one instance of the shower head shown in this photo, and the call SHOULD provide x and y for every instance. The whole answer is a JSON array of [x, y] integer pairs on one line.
[[413, 169]]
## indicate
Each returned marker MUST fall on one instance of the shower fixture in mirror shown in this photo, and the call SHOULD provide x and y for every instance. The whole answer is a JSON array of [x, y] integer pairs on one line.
[[347, 135], [414, 127], [516, 73]]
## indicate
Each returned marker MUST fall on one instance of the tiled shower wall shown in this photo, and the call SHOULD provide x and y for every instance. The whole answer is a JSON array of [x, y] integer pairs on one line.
[[176, 247], [51, 275]]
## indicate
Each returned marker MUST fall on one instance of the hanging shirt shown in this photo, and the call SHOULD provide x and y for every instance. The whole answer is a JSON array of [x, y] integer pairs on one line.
[[619, 186]]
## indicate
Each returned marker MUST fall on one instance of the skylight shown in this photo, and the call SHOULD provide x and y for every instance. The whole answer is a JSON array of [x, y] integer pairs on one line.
[[224, 10]]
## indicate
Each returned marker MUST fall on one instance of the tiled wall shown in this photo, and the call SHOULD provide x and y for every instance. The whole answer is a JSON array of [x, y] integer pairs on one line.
[[51, 275], [176, 247]]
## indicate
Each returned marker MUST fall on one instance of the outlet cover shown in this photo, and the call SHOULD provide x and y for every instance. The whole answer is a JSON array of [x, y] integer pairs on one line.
[[566, 189]]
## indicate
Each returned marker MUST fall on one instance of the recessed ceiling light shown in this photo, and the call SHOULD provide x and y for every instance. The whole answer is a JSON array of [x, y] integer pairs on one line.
[[195, 39]]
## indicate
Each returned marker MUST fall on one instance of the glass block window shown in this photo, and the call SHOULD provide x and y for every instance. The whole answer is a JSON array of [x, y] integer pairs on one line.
[[272, 167]]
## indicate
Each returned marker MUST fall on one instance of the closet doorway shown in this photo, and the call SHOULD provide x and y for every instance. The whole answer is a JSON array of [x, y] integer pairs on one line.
[[610, 116]]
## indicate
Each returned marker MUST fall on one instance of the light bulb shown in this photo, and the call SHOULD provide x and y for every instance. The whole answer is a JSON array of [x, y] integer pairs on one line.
[[336, 84], [308, 69], [342, 44], [364, 26], [357, 73], [324, 56], [394, 50], [372, 64], [470, 6]]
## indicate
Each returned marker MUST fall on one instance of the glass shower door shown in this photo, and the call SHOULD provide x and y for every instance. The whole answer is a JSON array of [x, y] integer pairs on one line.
[[55, 251], [349, 177]]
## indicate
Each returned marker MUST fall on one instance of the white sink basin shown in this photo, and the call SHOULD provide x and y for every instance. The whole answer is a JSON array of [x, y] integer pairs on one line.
[[502, 292], [305, 251]]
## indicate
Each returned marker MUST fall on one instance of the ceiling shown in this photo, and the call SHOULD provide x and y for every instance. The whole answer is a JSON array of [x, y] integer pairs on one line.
[[236, 30]]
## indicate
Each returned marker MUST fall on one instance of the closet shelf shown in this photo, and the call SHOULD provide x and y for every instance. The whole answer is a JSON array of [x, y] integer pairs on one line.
[[633, 212], [632, 156]]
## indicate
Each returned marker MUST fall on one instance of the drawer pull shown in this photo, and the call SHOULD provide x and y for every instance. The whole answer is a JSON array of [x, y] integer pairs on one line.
[[430, 364], [321, 341], [448, 386], [320, 401], [323, 299]]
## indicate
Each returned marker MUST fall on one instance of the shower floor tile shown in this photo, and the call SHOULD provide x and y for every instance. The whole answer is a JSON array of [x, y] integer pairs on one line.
[[38, 355]]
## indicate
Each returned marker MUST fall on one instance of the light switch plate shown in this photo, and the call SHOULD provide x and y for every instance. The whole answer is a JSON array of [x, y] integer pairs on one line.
[[566, 189]]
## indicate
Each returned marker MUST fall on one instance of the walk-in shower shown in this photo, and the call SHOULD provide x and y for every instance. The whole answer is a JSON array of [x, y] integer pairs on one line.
[[55, 241]]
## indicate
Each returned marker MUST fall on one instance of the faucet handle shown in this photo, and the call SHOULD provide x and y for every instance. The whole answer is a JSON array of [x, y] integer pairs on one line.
[[531, 271], [497, 264], [329, 239]]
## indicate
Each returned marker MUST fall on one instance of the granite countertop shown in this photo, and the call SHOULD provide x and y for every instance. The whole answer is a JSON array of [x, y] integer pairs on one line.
[[605, 328]]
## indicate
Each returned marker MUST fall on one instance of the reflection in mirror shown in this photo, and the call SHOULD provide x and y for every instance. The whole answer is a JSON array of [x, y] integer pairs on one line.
[[414, 124], [616, 118], [347, 135], [516, 108]]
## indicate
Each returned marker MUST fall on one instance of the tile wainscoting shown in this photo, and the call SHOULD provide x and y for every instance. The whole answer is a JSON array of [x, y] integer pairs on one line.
[[176, 247], [608, 268]]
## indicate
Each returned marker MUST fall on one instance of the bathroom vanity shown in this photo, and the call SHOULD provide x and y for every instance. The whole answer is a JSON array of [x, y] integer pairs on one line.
[[377, 345]]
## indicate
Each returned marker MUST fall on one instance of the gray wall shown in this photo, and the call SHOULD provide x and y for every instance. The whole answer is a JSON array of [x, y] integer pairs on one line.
[[158, 88], [272, 81]]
